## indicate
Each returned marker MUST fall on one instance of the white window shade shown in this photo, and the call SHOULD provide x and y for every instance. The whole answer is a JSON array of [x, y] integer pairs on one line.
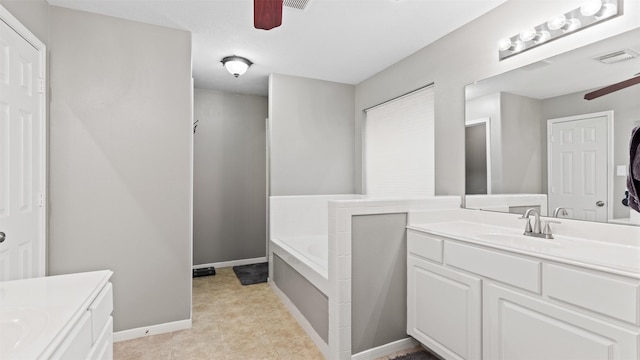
[[399, 154]]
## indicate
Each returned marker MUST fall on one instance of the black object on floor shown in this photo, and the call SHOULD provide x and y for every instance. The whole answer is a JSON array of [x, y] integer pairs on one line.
[[204, 271], [252, 274], [419, 355]]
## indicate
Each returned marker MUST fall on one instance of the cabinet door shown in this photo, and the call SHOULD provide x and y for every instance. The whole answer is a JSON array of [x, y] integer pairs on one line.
[[444, 309], [518, 327]]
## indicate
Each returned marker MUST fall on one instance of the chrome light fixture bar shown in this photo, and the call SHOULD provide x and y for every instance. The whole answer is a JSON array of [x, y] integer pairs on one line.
[[590, 13]]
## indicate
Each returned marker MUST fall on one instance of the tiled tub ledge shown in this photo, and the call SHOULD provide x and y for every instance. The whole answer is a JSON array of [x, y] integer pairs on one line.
[[301, 225]]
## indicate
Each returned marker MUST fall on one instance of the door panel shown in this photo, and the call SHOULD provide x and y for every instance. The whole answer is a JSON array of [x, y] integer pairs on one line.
[[578, 168], [21, 160]]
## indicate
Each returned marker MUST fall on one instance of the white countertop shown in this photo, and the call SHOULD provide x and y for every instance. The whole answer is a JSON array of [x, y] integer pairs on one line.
[[36, 314], [611, 248]]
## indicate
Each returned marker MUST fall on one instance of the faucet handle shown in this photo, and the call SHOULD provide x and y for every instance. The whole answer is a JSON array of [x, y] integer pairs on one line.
[[547, 226]]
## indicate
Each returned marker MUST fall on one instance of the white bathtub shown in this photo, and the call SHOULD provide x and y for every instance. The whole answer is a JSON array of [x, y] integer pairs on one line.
[[311, 243], [299, 233]]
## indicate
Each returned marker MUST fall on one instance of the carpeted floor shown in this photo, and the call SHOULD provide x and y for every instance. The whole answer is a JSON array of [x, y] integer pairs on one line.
[[252, 274]]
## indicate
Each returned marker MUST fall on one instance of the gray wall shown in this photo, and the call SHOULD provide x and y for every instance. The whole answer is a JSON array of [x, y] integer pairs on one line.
[[33, 14], [229, 177], [521, 147], [466, 55], [626, 109], [476, 159], [312, 134], [120, 150], [488, 106], [379, 280]]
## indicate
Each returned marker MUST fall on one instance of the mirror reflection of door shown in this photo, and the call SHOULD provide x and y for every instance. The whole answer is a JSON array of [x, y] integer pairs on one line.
[[578, 165], [477, 156]]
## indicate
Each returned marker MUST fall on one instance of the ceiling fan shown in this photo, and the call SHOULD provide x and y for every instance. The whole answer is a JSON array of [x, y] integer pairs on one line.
[[614, 87], [267, 14]]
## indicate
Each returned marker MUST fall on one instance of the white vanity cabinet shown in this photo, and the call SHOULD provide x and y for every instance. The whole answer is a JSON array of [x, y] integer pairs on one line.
[[444, 309], [472, 301], [91, 337], [58, 317], [521, 326]]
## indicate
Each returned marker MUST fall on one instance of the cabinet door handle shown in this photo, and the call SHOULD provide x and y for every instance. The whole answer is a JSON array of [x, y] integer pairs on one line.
[[599, 203], [3, 236]]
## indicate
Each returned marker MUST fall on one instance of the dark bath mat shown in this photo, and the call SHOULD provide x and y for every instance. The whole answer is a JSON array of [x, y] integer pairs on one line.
[[419, 355], [252, 274]]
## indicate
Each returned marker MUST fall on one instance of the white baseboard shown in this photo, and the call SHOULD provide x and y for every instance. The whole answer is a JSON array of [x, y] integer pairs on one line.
[[302, 321], [151, 330], [386, 349], [224, 264]]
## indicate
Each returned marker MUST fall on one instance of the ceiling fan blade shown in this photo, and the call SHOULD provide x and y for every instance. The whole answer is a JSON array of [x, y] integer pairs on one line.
[[267, 14], [611, 88]]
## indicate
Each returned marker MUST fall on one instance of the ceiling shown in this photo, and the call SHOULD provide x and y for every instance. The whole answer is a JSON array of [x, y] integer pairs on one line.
[[344, 41], [566, 73]]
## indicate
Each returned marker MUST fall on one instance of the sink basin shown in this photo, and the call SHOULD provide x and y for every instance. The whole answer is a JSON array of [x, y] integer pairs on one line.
[[520, 241], [19, 327]]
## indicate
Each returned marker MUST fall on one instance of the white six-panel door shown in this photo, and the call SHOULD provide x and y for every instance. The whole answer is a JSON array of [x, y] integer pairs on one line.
[[22, 159], [578, 165]]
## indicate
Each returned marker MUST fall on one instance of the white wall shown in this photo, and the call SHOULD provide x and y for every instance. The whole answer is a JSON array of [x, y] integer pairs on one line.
[[311, 127], [229, 215], [464, 56], [120, 150]]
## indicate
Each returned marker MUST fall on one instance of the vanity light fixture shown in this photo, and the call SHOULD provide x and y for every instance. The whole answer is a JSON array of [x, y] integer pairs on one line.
[[590, 13], [236, 65]]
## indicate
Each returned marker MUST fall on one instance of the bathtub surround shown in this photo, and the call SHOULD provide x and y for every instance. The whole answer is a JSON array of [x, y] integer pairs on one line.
[[229, 206], [303, 225]]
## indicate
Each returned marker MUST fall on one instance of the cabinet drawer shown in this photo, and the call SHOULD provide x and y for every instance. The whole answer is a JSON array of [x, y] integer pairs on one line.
[[512, 270], [608, 295], [103, 347], [424, 245], [77, 344], [101, 309]]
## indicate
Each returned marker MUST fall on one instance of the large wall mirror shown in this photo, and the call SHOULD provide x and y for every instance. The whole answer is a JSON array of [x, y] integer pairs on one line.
[[530, 130]]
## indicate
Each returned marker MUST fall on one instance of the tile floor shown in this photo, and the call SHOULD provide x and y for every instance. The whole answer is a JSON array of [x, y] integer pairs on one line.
[[230, 321]]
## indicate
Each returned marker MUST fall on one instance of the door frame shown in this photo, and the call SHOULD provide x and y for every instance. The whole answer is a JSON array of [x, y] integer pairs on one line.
[[21, 30], [609, 115]]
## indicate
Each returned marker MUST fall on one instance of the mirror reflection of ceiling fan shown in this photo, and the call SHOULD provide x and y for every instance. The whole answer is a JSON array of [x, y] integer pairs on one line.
[[267, 14], [614, 87], [615, 57]]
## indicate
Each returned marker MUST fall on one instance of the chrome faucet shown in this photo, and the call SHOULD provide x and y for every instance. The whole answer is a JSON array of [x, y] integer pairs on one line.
[[536, 224], [537, 227], [560, 210]]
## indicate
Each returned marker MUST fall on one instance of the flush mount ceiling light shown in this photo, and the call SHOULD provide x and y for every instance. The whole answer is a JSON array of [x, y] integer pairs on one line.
[[236, 65], [590, 13]]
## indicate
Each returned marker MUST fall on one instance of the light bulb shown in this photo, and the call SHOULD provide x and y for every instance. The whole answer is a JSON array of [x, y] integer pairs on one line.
[[528, 34], [505, 44], [557, 22], [590, 7]]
